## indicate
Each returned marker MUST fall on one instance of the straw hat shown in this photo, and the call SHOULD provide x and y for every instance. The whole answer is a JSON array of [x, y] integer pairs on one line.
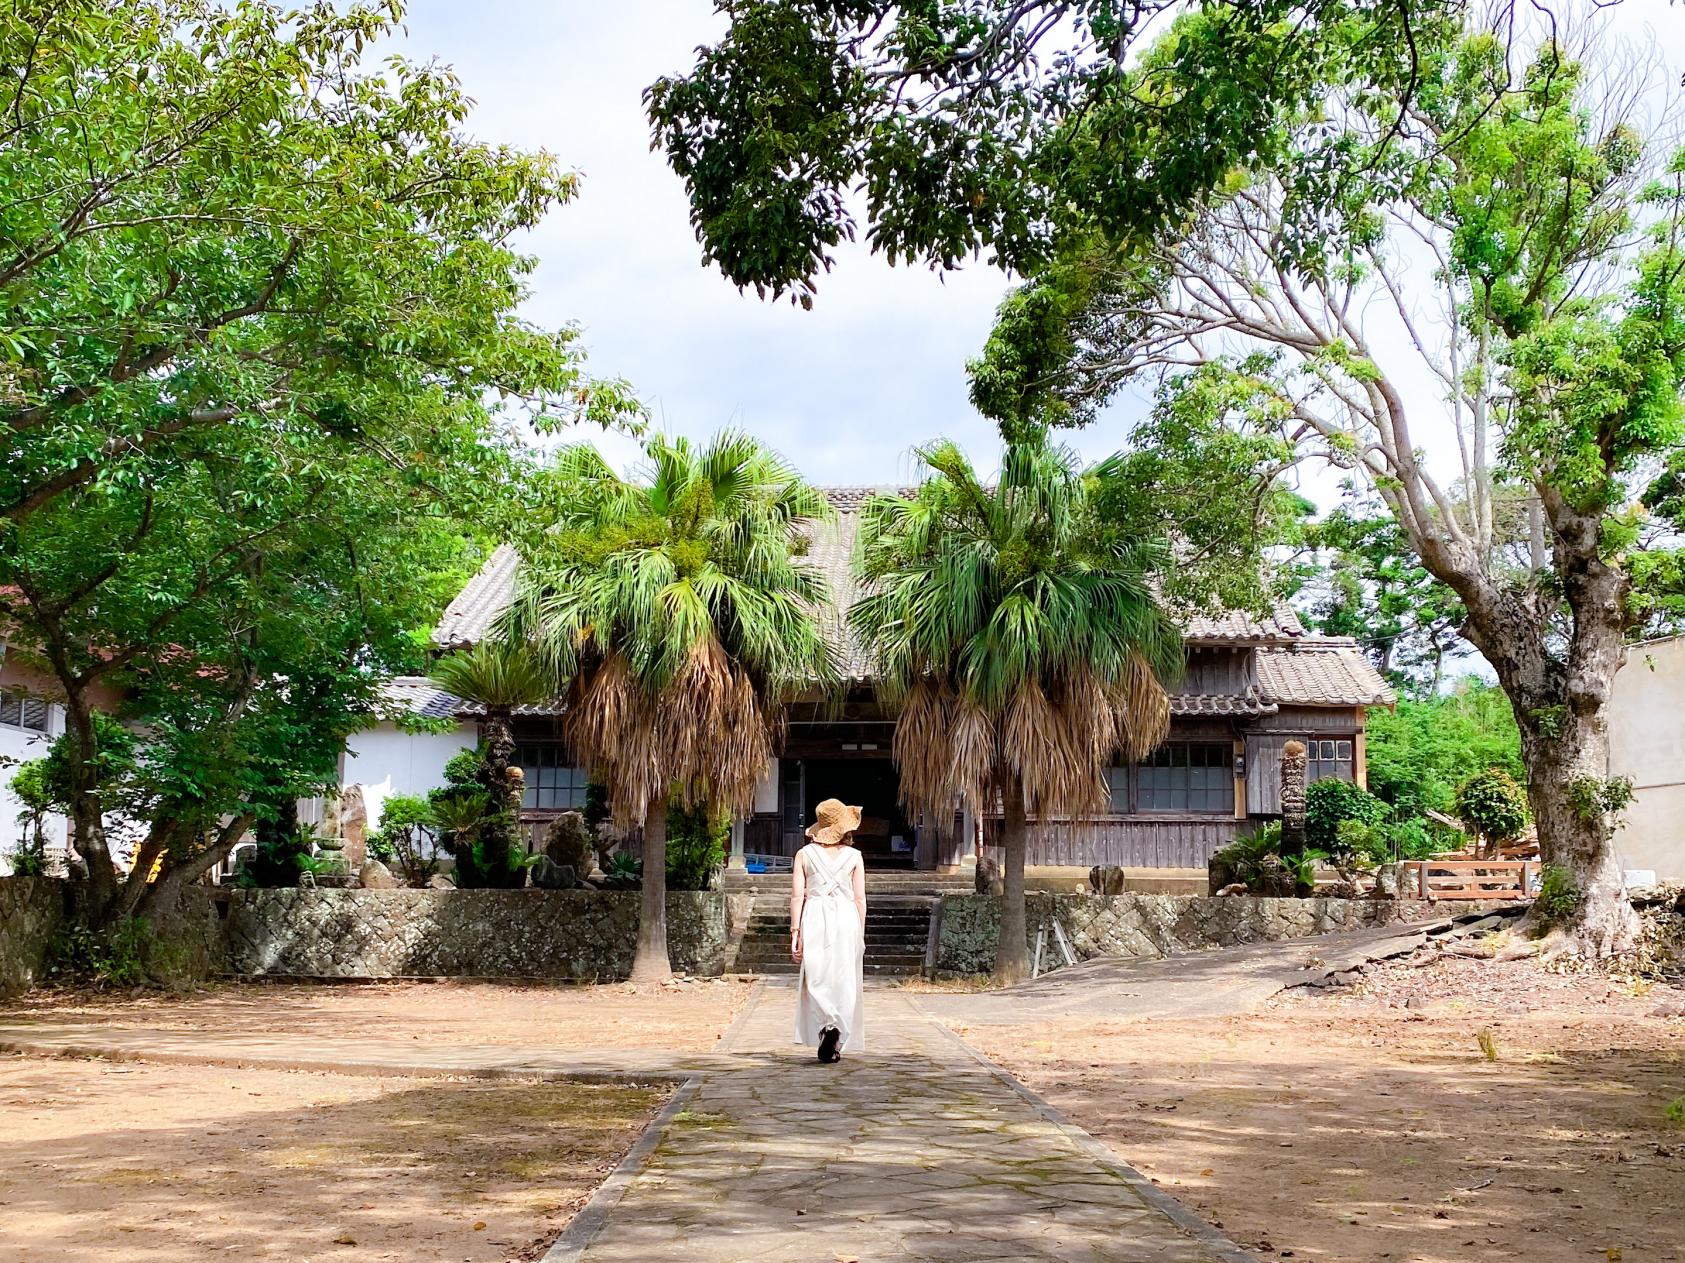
[[833, 823]]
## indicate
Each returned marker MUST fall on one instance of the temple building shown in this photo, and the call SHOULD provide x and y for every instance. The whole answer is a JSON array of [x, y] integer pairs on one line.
[[1251, 684]]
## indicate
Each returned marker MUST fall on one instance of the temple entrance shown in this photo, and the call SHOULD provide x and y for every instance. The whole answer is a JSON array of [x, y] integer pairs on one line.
[[885, 839]]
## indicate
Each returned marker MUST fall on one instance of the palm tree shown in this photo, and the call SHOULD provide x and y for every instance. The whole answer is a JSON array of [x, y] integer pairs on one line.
[[1020, 641], [679, 606], [498, 676]]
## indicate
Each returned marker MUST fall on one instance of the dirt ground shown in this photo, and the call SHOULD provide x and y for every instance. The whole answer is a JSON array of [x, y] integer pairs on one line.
[[105, 1163], [1367, 1124], [687, 1016]]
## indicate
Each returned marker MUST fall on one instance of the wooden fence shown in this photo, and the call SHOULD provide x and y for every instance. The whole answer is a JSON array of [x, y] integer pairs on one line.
[[1488, 880]]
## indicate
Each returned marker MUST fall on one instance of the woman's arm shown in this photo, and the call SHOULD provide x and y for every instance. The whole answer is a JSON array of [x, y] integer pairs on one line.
[[860, 889], [798, 894]]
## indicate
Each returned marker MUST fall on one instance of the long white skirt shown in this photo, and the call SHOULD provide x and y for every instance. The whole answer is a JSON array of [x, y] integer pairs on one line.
[[832, 980]]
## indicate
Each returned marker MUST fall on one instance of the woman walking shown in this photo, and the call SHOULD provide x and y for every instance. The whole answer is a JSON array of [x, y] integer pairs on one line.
[[828, 933]]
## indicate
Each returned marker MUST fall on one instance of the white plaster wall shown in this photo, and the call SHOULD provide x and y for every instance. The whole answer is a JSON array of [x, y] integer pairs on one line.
[[16, 746], [386, 761], [1647, 743]]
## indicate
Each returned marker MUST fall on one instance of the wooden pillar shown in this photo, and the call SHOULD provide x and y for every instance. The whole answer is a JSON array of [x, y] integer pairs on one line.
[[1240, 778], [1360, 754]]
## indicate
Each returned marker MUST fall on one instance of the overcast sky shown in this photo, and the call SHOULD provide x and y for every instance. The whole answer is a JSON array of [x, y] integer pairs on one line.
[[844, 390]]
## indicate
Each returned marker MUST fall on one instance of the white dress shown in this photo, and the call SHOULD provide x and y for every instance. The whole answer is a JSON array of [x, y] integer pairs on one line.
[[833, 948]]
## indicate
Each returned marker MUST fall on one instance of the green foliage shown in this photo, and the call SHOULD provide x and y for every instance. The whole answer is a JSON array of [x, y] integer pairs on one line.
[[405, 837], [496, 674], [596, 805], [462, 769], [1675, 1111], [696, 846], [1488, 1044], [685, 588], [35, 797], [114, 956], [243, 401], [623, 871], [1333, 801], [1025, 131], [1493, 806], [1593, 797], [1376, 590], [1558, 898], [1421, 751]]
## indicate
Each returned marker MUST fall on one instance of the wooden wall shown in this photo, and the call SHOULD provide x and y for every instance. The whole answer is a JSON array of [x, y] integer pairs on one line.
[[1169, 842]]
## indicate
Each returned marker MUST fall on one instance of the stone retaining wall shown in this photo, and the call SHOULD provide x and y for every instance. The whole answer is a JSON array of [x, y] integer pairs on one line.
[[31, 908], [576, 935], [1152, 925]]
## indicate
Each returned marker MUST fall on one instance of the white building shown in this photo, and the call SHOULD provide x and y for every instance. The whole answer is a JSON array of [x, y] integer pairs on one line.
[[1647, 744]]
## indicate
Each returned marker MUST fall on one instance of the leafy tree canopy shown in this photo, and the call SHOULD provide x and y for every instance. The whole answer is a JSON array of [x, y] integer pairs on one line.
[[972, 125], [217, 218]]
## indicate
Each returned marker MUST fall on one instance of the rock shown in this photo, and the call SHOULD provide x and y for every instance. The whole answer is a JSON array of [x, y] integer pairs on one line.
[[1669, 1008], [376, 876], [1388, 880], [567, 842], [1516, 951], [438, 881], [989, 879], [1274, 879], [1107, 879], [549, 875]]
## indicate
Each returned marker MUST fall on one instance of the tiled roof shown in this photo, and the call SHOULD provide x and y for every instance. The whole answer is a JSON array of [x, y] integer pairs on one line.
[[418, 695], [1248, 705], [1322, 671], [1295, 667], [470, 616], [1235, 627]]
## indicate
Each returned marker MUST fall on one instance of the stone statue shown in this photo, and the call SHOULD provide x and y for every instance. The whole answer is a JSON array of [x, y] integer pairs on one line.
[[1293, 798], [354, 826]]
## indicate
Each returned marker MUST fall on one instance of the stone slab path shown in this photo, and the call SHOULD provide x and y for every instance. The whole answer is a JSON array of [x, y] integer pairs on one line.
[[914, 1150]]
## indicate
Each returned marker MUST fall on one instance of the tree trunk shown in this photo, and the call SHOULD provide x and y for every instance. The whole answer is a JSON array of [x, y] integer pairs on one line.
[[1567, 759], [159, 900], [651, 964], [497, 838], [87, 827], [1012, 956]]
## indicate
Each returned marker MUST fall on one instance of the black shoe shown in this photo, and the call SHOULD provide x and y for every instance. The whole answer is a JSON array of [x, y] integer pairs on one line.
[[828, 1044]]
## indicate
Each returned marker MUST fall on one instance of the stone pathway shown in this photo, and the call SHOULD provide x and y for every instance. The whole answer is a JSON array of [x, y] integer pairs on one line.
[[915, 1150]]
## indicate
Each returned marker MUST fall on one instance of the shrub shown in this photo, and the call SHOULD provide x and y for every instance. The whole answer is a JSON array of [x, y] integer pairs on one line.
[[696, 846], [105, 958], [1493, 806], [1331, 801], [405, 837], [1558, 897]]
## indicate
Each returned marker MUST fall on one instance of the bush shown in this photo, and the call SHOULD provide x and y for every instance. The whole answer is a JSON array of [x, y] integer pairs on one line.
[[1558, 897], [405, 838], [468, 824], [1493, 806], [105, 958], [696, 846], [1331, 802]]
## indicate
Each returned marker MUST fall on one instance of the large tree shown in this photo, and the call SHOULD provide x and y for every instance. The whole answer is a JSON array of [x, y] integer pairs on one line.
[[1501, 262], [260, 307], [677, 604], [1020, 640], [1402, 189]]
